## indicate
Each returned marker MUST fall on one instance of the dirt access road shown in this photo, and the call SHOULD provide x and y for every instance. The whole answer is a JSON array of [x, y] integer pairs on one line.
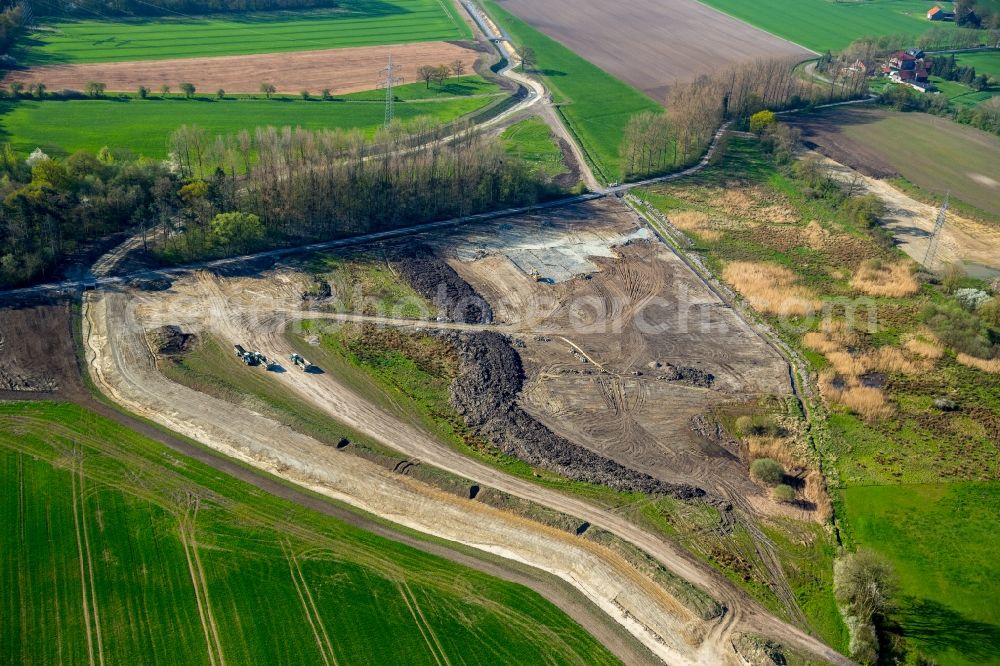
[[972, 244], [36, 348], [123, 366], [341, 70], [651, 44]]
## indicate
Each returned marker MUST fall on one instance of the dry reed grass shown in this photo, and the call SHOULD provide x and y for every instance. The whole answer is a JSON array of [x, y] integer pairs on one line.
[[924, 344], [816, 493], [695, 222], [990, 365], [776, 448], [771, 288], [867, 402], [755, 203], [891, 280]]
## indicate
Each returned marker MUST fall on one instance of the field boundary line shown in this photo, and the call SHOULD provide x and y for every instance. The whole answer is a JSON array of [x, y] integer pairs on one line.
[[776, 36]]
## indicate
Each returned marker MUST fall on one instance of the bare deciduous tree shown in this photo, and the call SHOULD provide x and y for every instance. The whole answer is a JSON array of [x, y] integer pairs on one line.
[[426, 74]]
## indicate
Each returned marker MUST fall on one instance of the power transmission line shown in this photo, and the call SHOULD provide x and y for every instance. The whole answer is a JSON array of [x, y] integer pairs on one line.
[[387, 81], [935, 239]]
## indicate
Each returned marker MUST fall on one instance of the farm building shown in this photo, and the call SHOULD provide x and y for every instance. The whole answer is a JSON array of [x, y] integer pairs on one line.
[[909, 67], [902, 60], [935, 13]]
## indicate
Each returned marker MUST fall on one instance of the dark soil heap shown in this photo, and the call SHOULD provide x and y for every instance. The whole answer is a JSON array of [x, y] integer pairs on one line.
[[485, 393], [438, 282], [171, 340]]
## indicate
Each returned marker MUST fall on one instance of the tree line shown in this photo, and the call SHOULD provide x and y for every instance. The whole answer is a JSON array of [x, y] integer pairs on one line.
[[985, 115], [11, 27], [293, 185], [50, 208], [657, 142], [871, 49], [222, 195], [947, 67], [95, 8]]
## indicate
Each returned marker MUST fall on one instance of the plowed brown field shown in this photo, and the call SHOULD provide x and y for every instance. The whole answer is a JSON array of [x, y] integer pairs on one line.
[[340, 70], [651, 43]]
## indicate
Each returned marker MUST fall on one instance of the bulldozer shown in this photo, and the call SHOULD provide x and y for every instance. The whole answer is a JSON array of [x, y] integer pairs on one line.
[[296, 359]]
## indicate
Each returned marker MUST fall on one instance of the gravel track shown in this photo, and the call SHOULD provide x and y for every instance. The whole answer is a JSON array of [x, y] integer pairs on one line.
[[122, 365]]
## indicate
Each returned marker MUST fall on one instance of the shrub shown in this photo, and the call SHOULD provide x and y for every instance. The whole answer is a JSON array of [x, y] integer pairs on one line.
[[767, 471], [865, 210], [220, 93], [761, 120], [143, 92], [757, 426], [306, 95], [989, 312], [865, 586], [959, 329], [326, 95], [971, 299], [783, 493], [952, 276]]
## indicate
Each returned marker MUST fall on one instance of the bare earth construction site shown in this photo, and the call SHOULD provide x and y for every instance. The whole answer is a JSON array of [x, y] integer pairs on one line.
[[622, 347]]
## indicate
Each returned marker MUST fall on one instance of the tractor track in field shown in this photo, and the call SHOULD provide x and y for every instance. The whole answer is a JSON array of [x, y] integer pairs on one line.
[[309, 606], [120, 363], [86, 568], [186, 532], [430, 638]]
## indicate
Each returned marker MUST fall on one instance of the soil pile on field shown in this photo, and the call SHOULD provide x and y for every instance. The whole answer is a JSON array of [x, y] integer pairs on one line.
[[438, 282], [683, 374], [171, 340], [485, 393]]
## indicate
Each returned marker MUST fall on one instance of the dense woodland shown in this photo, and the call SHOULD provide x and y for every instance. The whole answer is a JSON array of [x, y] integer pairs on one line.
[[658, 142], [49, 208], [235, 194], [978, 13], [294, 185], [11, 27], [114, 8]]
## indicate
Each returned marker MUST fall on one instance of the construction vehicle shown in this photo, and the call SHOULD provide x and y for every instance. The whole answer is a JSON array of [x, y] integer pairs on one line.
[[250, 357], [300, 362]]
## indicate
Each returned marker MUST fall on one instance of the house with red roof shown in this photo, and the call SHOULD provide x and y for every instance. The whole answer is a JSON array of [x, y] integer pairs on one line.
[[935, 13]]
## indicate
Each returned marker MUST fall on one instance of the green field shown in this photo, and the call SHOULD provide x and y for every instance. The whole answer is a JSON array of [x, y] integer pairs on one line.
[[942, 540], [934, 153], [985, 62], [823, 25], [913, 483], [143, 126], [114, 549], [351, 23], [532, 141], [595, 105]]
